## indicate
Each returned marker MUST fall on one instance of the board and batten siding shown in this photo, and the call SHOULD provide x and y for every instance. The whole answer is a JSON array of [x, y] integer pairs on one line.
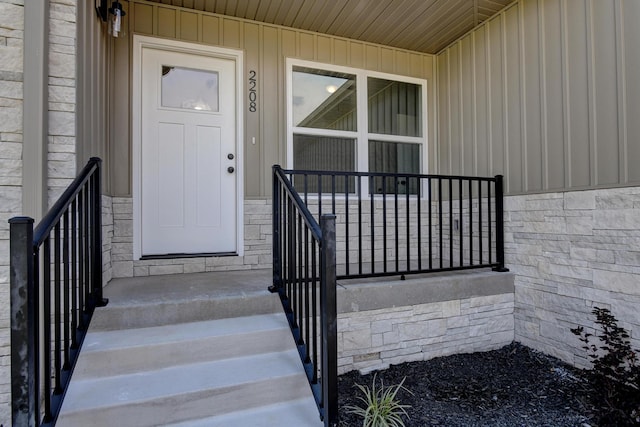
[[265, 48], [546, 93]]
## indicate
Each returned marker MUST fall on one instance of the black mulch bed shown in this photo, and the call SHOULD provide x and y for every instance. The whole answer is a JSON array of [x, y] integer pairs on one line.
[[512, 386]]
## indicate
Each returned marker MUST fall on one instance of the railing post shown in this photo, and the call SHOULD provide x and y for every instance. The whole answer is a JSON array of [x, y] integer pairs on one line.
[[24, 337], [329, 326], [275, 223], [96, 212], [499, 197]]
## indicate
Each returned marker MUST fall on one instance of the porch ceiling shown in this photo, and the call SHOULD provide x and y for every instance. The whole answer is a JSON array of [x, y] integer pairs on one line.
[[420, 25]]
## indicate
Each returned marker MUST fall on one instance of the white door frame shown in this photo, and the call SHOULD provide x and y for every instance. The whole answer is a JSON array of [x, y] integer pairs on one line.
[[141, 42]]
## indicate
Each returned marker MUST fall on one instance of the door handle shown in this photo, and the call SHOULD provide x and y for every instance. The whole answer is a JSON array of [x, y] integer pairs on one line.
[[230, 169]]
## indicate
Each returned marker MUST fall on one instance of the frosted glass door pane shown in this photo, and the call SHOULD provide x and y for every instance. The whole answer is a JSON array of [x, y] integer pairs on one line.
[[189, 89]]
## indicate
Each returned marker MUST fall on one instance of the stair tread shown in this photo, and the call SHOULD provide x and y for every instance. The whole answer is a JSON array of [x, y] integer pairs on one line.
[[298, 413], [181, 332], [166, 382]]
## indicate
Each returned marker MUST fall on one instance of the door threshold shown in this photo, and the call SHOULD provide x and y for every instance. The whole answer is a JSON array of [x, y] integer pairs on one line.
[[183, 255]]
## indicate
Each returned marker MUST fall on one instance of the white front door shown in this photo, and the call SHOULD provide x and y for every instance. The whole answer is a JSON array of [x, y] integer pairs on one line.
[[188, 198]]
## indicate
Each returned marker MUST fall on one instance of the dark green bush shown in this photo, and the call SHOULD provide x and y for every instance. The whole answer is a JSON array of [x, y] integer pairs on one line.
[[615, 376]]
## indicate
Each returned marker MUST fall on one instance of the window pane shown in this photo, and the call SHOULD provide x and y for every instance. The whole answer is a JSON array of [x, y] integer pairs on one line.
[[324, 99], [394, 107], [394, 157], [189, 89], [323, 154]]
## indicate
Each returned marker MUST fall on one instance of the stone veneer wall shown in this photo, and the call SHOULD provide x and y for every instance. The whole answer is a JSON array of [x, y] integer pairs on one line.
[[395, 321], [11, 95], [61, 159], [570, 252], [257, 249]]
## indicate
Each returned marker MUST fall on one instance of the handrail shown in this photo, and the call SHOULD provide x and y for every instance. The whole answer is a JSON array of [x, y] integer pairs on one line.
[[68, 240], [304, 271]]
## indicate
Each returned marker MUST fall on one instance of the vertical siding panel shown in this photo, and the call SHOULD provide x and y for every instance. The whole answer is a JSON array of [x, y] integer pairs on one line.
[[416, 66], [211, 29], [514, 100], [232, 33], [288, 43], [252, 161], [166, 22], [553, 96], [455, 110], [496, 98], [323, 49], [578, 101], [272, 87], [622, 99], [532, 135], [401, 61], [188, 26], [306, 46], [356, 55], [387, 60], [340, 52], [631, 51], [372, 57], [444, 134], [481, 106], [143, 19], [467, 75], [606, 92]]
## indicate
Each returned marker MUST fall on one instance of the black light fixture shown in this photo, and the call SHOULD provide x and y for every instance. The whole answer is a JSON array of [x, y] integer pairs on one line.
[[114, 14]]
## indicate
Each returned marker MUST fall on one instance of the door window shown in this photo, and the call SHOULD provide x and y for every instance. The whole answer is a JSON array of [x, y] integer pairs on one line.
[[189, 89]]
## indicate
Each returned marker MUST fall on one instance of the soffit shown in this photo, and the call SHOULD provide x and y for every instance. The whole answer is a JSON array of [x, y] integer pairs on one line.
[[420, 25]]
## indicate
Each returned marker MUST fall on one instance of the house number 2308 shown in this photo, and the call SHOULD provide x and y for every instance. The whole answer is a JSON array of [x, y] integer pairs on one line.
[[253, 94]]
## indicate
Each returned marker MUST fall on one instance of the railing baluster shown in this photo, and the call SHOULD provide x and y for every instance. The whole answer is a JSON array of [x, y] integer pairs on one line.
[[46, 327], [480, 249], [346, 222], [372, 225], [397, 224], [489, 231], [408, 222], [450, 222], [460, 226], [384, 224], [441, 236], [470, 222], [57, 335], [314, 310], [359, 224], [66, 285], [419, 217], [74, 274]]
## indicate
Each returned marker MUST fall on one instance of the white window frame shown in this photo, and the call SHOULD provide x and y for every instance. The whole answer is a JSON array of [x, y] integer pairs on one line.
[[362, 135]]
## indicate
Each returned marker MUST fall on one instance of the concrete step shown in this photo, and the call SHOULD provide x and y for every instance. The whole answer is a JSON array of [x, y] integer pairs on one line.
[[294, 413], [185, 392], [110, 353], [140, 302]]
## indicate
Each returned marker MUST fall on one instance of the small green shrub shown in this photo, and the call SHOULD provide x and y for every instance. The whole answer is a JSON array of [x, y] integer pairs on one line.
[[615, 377], [381, 405]]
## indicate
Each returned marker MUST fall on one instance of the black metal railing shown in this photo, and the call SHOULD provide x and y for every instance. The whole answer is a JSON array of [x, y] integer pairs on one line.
[[377, 224], [56, 282], [304, 275], [396, 224]]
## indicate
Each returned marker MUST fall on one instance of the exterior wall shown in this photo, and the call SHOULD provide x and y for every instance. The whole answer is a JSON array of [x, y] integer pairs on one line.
[[374, 339], [11, 96], [544, 93], [571, 252], [395, 321], [265, 48], [257, 241]]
